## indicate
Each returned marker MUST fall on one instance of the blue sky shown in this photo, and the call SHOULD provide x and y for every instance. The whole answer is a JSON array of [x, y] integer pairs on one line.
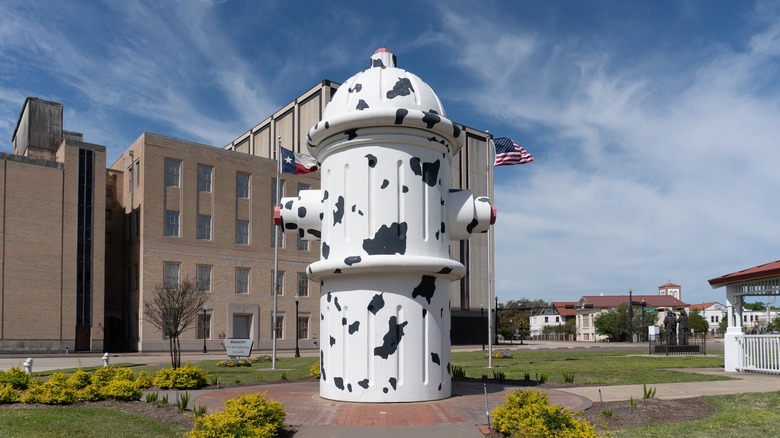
[[655, 125]]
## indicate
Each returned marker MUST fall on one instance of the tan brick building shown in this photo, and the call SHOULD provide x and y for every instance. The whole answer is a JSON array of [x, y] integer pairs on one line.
[[172, 210], [51, 236]]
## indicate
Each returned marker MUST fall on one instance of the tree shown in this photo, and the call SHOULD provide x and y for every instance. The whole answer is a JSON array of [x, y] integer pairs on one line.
[[697, 322], [724, 324], [173, 309], [510, 318], [774, 326], [614, 323], [757, 306]]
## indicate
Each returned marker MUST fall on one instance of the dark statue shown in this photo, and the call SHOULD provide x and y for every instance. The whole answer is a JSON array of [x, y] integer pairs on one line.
[[684, 329], [670, 325]]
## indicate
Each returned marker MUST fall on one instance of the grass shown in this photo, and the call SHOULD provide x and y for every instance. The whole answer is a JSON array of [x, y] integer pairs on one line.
[[75, 421], [592, 368], [294, 368], [736, 416]]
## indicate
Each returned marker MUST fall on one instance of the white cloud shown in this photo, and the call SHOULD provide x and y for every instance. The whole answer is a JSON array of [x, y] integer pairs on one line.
[[660, 166]]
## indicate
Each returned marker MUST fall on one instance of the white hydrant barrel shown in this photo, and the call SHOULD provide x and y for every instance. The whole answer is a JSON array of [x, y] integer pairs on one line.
[[105, 359], [28, 365], [386, 216]]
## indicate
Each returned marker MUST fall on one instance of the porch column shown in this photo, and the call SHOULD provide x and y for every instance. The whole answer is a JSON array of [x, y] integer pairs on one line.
[[731, 348]]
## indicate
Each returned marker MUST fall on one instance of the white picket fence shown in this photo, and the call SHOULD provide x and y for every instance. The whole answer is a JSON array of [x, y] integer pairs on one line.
[[759, 353]]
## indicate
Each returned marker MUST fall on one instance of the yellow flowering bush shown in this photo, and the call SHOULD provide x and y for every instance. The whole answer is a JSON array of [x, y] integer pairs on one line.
[[186, 377], [120, 389], [314, 370], [9, 394], [250, 415], [530, 414]]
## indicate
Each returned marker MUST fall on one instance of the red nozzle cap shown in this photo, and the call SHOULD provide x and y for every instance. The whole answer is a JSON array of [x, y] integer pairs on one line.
[[277, 215], [493, 214]]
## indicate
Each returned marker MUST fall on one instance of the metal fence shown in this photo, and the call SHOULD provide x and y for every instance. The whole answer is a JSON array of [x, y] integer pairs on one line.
[[694, 345], [759, 353]]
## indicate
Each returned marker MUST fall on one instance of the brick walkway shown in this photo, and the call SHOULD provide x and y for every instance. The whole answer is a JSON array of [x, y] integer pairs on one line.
[[304, 406]]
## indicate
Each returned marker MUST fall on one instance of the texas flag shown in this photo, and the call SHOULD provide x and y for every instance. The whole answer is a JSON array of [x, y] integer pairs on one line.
[[295, 163]]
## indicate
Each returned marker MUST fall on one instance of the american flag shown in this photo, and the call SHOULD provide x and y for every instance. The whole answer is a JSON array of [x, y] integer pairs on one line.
[[508, 152]]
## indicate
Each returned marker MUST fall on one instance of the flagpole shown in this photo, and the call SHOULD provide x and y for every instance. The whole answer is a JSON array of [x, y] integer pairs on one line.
[[276, 252], [491, 293]]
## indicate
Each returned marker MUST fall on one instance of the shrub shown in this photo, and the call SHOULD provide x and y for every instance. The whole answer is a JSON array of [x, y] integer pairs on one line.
[[9, 394], [249, 415], [16, 378], [186, 377], [314, 370], [80, 379], [183, 401], [151, 397], [103, 376], [568, 377], [90, 392], [120, 389], [502, 355], [144, 380], [499, 375], [529, 413], [263, 358], [55, 391]]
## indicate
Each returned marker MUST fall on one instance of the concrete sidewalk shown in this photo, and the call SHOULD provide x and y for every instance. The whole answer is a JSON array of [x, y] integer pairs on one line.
[[741, 383]]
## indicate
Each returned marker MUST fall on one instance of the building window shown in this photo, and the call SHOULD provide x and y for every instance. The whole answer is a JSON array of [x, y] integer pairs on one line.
[[171, 274], [242, 185], [171, 223], [172, 172], [108, 214], [109, 192], [303, 327], [242, 280], [204, 325], [303, 285], [108, 238], [279, 282], [204, 177], [557, 319], [279, 326], [275, 201], [204, 227], [242, 232], [546, 318], [138, 173], [204, 277]]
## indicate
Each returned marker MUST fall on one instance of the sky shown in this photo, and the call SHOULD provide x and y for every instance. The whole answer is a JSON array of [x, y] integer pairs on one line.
[[655, 126]]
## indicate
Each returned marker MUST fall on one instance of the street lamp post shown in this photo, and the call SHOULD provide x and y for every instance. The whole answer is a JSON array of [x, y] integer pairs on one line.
[[297, 351], [204, 330]]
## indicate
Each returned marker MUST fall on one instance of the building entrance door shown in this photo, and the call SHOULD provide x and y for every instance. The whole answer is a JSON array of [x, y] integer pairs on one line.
[[82, 337], [241, 326]]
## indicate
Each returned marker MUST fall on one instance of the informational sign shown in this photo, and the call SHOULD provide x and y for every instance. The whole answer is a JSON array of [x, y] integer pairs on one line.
[[238, 347]]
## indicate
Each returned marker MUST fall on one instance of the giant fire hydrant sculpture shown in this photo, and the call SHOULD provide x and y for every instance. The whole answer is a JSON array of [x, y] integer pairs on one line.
[[386, 216]]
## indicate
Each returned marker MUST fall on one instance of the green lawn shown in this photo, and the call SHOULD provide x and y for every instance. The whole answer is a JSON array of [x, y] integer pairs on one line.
[[737, 416], [81, 421], [590, 368]]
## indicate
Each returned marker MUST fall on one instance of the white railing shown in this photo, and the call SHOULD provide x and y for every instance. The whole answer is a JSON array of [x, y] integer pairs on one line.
[[759, 353]]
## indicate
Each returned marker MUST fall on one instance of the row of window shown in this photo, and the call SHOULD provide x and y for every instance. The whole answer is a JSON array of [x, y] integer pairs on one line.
[[204, 278], [204, 325], [205, 176]]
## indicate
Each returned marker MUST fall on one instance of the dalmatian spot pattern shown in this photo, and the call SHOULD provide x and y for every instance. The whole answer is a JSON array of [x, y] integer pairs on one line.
[[435, 358], [351, 134], [402, 87], [349, 261], [400, 114], [354, 327], [405, 189], [363, 383], [315, 233], [338, 214], [349, 387], [391, 339], [387, 240], [445, 270], [426, 288], [329, 297], [301, 212], [431, 118], [428, 171], [393, 382], [325, 250], [339, 382], [322, 366], [357, 88], [385, 183], [336, 303], [371, 160], [377, 303], [332, 341], [361, 105], [343, 321], [470, 227]]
